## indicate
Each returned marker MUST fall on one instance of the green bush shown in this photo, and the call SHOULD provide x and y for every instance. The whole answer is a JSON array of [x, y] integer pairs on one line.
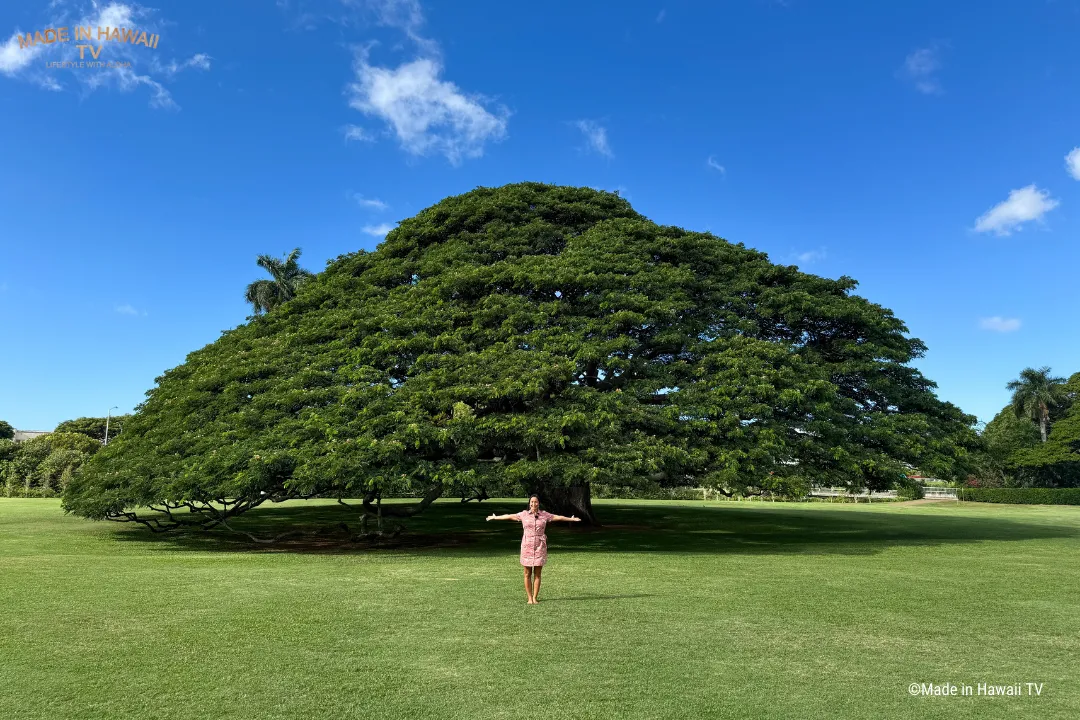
[[1022, 496], [908, 489]]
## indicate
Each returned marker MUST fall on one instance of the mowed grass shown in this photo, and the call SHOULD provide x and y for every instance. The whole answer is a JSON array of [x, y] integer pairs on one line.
[[673, 610]]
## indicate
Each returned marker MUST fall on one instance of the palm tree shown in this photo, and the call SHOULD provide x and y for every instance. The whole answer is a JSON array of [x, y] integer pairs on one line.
[[287, 277], [1034, 394]]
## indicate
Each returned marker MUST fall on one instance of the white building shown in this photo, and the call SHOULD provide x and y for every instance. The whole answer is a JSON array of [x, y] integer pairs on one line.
[[21, 435]]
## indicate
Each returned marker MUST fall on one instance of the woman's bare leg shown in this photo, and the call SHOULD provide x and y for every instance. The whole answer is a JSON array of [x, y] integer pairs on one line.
[[528, 584], [536, 583]]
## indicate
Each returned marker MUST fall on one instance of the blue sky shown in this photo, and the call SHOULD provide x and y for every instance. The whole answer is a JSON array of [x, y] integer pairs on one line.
[[920, 147]]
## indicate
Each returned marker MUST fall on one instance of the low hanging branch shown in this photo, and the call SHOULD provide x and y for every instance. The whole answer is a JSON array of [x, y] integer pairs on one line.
[[433, 494], [478, 494], [200, 515]]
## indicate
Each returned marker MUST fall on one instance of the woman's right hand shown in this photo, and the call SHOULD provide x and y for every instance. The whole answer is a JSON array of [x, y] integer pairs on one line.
[[491, 516]]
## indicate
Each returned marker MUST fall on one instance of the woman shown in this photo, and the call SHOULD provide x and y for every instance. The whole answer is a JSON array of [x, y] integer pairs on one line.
[[533, 542]]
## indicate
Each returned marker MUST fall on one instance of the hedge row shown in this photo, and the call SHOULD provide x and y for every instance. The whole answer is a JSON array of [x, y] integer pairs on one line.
[[1023, 496]]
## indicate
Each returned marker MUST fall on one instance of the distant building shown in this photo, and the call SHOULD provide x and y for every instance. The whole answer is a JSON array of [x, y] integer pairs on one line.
[[21, 435]]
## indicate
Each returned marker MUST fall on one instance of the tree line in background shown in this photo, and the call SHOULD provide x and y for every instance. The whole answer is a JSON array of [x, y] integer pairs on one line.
[[43, 466], [1035, 440]]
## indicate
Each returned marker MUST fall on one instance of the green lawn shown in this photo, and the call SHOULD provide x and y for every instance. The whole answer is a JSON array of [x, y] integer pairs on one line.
[[674, 610]]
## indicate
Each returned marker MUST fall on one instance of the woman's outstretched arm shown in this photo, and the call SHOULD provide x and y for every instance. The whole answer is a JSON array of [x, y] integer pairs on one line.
[[493, 516], [563, 518]]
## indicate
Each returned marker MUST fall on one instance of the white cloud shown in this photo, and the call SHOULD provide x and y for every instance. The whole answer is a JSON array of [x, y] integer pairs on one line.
[[145, 70], [373, 203], [596, 136], [921, 67], [810, 256], [405, 15], [126, 80], [426, 113], [199, 61], [355, 132], [1023, 205], [378, 230], [1000, 324], [126, 309], [711, 162], [13, 58], [116, 15], [1072, 162]]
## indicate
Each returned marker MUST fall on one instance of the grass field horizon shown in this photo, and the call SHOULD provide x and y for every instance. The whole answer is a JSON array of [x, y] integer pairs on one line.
[[674, 609]]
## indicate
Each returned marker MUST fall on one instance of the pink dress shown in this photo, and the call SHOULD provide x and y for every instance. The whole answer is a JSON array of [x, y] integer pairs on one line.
[[534, 540]]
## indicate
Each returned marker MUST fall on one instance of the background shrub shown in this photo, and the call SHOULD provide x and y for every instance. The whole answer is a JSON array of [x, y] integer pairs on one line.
[[1022, 496], [908, 489]]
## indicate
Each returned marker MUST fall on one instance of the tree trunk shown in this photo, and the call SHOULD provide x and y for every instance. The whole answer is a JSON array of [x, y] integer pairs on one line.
[[563, 500], [1043, 417]]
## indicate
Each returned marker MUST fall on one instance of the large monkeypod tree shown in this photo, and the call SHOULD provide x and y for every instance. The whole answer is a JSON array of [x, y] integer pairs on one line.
[[548, 337]]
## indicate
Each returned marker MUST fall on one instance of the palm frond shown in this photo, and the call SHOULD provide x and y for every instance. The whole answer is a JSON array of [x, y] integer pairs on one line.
[[286, 278], [263, 296]]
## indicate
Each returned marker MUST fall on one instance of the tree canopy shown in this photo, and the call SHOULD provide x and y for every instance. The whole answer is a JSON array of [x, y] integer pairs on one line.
[[95, 426], [545, 336]]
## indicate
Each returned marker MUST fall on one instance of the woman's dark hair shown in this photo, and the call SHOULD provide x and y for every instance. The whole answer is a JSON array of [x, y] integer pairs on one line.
[[534, 495]]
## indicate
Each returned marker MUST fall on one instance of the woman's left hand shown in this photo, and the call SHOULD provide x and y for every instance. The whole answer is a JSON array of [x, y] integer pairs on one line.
[[575, 518]]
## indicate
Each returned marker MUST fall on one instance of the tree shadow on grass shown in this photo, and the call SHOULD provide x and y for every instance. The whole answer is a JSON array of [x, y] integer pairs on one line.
[[725, 528], [596, 597]]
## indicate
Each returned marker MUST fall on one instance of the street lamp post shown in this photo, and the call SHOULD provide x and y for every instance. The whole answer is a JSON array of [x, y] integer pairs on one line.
[[107, 418]]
